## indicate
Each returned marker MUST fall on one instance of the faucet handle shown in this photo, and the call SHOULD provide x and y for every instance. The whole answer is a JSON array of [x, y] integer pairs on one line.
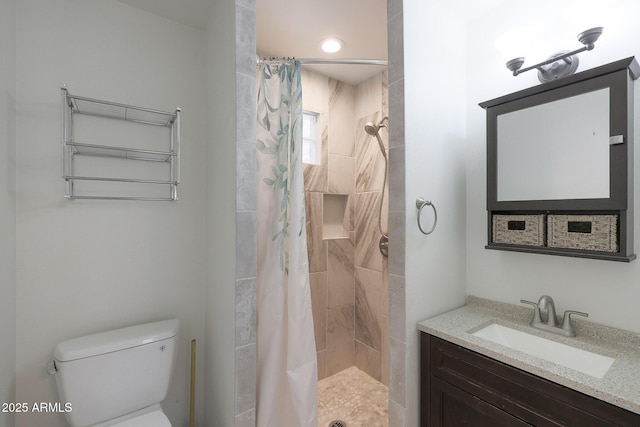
[[536, 311], [566, 320]]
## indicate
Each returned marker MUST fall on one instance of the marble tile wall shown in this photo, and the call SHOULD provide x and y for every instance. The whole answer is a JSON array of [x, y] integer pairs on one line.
[[245, 286], [331, 262], [397, 216], [371, 284], [348, 276]]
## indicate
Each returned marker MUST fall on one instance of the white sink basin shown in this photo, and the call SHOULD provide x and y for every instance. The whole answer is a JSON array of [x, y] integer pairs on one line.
[[584, 361]]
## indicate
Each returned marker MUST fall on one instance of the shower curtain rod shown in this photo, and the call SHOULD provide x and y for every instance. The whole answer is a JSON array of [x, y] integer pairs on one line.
[[328, 61], [354, 61]]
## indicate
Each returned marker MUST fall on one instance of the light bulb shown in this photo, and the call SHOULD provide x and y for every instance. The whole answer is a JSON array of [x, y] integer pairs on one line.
[[331, 45]]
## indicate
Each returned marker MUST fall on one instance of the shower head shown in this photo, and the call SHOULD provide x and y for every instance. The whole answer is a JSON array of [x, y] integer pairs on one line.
[[373, 130]]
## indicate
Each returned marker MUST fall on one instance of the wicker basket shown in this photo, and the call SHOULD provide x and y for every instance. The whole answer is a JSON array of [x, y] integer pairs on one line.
[[518, 229], [587, 232]]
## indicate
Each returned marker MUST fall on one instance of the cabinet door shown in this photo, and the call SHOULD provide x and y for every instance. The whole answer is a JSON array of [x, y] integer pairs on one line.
[[453, 407], [459, 386]]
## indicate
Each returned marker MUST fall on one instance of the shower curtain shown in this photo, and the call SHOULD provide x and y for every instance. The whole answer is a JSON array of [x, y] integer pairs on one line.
[[287, 369]]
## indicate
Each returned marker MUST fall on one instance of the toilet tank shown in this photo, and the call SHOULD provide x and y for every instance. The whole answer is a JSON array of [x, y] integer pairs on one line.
[[113, 373]]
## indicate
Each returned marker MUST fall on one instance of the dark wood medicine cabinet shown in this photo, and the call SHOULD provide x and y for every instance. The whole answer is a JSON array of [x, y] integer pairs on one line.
[[560, 166]]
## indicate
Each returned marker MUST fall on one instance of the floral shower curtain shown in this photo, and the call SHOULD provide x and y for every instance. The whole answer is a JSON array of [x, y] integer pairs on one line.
[[287, 369]]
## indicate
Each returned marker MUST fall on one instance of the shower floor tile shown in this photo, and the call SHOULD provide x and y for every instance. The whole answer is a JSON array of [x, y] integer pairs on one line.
[[353, 397]]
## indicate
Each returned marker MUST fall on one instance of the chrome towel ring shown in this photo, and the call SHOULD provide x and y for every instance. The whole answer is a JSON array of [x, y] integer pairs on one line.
[[420, 204]]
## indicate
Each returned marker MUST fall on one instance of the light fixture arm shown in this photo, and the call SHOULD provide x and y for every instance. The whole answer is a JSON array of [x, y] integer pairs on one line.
[[561, 63], [553, 59]]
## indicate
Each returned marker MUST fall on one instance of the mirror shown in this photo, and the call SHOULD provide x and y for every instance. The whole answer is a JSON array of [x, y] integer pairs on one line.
[[556, 150]]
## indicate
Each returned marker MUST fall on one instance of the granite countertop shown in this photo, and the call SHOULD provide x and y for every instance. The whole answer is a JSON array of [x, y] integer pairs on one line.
[[620, 386]]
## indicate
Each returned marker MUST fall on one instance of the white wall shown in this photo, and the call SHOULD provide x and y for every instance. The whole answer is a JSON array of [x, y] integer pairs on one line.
[[7, 208], [87, 266], [220, 212], [608, 291], [434, 47]]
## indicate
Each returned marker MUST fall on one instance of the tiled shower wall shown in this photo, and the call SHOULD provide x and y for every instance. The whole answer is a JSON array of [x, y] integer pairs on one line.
[[349, 289]]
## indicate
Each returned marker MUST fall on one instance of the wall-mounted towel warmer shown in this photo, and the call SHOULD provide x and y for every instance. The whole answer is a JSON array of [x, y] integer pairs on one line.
[[76, 105]]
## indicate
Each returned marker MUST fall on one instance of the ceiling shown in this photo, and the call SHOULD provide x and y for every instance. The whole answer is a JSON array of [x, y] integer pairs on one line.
[[294, 28], [360, 24]]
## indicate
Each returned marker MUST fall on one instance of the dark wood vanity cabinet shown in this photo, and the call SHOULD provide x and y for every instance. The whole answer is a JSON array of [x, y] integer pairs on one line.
[[460, 387]]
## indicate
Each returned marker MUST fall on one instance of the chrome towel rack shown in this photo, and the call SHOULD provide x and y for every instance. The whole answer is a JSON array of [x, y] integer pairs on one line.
[[73, 105], [420, 204]]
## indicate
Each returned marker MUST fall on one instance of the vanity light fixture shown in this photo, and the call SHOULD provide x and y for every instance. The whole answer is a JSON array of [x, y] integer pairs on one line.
[[331, 45], [560, 64]]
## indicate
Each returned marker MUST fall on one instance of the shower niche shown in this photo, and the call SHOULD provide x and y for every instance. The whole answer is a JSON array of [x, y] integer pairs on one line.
[[119, 152], [335, 216]]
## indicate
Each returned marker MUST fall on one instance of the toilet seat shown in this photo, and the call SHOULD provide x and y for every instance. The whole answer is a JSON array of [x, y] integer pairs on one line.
[[149, 417]]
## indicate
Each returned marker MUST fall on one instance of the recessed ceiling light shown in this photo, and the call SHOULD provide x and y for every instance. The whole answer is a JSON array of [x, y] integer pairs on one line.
[[331, 45]]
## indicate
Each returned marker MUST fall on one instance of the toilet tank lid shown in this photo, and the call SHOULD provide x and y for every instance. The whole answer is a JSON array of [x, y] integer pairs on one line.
[[115, 340]]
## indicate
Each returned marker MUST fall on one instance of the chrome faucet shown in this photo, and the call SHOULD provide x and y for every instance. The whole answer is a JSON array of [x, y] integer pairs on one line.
[[546, 303], [550, 321]]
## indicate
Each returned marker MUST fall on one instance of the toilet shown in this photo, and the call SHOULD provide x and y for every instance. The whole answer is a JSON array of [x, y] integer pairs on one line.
[[117, 378]]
